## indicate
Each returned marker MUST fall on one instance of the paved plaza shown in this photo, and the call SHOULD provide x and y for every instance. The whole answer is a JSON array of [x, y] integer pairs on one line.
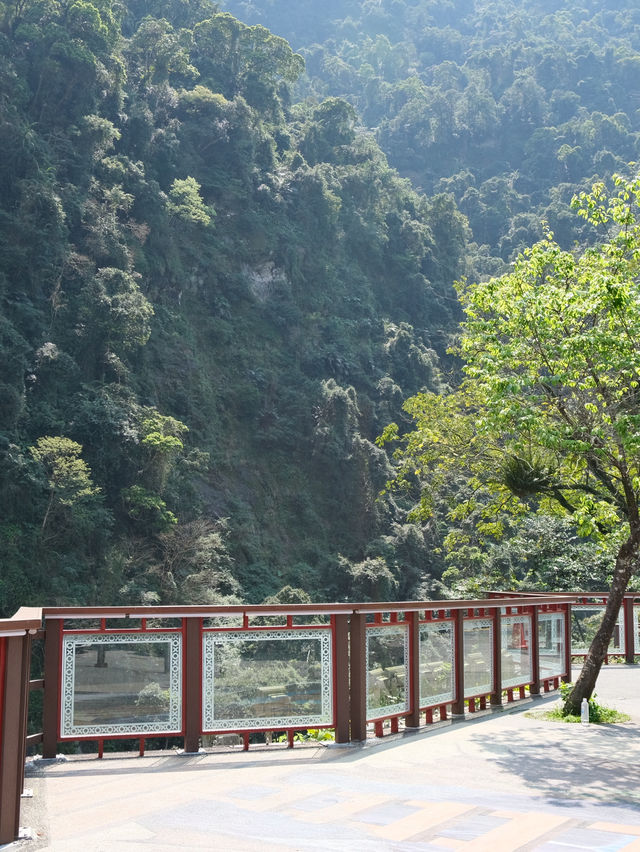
[[499, 781]]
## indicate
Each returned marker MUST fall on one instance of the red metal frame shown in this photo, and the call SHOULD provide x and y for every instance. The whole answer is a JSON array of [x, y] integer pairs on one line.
[[15, 651], [526, 611], [288, 625], [438, 616], [334, 672], [479, 614], [3, 669], [393, 621], [378, 614], [103, 630]]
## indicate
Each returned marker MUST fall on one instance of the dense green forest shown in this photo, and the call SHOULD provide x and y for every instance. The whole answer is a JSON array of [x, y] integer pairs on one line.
[[228, 242], [507, 104]]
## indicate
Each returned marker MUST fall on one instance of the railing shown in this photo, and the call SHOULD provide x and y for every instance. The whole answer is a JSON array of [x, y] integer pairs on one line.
[[586, 615], [187, 672], [15, 655]]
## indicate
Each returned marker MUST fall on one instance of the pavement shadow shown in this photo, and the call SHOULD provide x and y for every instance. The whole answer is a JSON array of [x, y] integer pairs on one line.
[[560, 760]]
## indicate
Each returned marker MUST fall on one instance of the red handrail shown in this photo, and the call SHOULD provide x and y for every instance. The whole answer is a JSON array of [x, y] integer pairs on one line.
[[15, 634]]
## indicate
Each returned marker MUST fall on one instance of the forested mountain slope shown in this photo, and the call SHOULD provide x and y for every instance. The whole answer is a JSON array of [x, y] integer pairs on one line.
[[511, 105], [211, 302]]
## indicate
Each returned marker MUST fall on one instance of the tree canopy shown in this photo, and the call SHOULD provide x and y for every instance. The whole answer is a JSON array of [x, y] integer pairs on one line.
[[546, 417]]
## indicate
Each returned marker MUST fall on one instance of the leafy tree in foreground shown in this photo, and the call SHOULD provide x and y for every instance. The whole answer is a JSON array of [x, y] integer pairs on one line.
[[547, 417]]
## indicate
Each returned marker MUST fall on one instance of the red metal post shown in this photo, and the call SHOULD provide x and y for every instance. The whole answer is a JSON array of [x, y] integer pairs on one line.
[[457, 705], [50, 705], [534, 686], [3, 668], [341, 676], [412, 719], [567, 643], [192, 684], [496, 695], [358, 677], [629, 631], [14, 693]]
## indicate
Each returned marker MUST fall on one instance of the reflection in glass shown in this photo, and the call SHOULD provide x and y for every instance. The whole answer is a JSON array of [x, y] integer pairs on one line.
[[551, 644], [585, 621], [478, 657], [121, 683], [515, 638], [387, 670], [436, 663], [264, 679]]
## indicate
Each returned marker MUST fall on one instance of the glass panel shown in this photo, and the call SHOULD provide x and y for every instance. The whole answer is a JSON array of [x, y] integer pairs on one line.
[[164, 623], [515, 644], [81, 624], [636, 632], [478, 657], [123, 623], [387, 671], [267, 679], [585, 620], [227, 620], [277, 620], [320, 618], [436, 663], [551, 644], [121, 684]]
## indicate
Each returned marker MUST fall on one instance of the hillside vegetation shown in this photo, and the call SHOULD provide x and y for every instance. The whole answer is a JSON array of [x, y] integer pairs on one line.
[[508, 104], [212, 302], [228, 242]]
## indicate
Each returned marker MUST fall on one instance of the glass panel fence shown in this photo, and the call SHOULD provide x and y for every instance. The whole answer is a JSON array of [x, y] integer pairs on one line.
[[121, 684], [551, 643], [387, 671], [478, 657], [585, 620], [267, 679], [515, 644], [436, 663]]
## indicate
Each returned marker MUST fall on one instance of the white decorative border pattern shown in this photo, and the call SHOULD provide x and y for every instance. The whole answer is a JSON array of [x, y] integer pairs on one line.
[[443, 697], [613, 649], [172, 725], [527, 675], [209, 721], [481, 688], [401, 706]]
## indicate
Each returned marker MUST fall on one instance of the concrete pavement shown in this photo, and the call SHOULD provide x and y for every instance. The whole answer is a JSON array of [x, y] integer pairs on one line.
[[498, 782]]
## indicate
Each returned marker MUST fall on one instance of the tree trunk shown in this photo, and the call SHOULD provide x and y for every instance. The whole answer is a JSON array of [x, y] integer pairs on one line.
[[626, 563]]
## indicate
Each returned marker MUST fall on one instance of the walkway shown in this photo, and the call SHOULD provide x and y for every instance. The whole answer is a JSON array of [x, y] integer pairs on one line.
[[499, 783]]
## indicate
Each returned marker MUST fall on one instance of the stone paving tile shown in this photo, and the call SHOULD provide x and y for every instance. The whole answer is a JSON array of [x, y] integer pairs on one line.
[[473, 826], [604, 841], [499, 784], [586, 840], [386, 814]]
